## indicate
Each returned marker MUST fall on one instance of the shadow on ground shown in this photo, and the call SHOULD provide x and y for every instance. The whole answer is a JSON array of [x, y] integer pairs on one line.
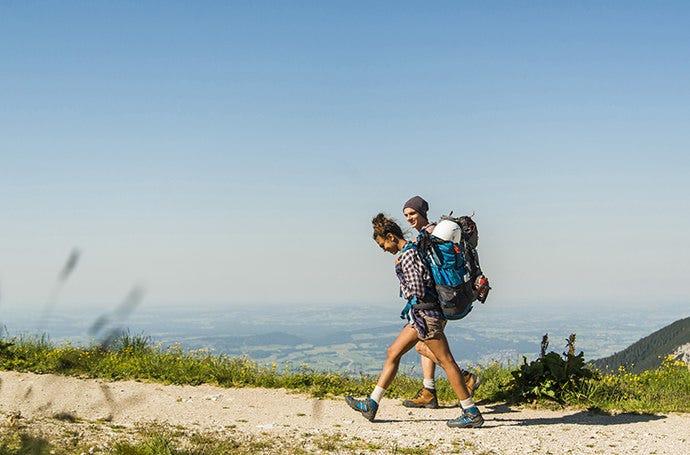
[[500, 415], [576, 418]]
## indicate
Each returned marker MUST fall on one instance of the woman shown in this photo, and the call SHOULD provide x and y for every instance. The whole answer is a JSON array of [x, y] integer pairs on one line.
[[426, 325]]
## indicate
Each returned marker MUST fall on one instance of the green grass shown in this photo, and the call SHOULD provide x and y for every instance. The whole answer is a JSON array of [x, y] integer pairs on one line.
[[161, 439], [132, 357], [665, 389], [21, 443], [137, 358], [153, 440]]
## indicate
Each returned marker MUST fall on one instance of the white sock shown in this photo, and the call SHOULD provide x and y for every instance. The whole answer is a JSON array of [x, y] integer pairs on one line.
[[377, 394], [430, 384], [468, 403]]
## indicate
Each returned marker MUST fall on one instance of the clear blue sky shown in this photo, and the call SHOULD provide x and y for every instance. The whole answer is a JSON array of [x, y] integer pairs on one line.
[[235, 152]]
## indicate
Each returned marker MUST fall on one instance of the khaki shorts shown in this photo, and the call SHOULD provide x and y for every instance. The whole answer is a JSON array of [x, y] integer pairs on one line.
[[434, 326]]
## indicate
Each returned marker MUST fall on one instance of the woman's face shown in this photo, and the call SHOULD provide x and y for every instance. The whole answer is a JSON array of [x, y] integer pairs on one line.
[[388, 243], [415, 219]]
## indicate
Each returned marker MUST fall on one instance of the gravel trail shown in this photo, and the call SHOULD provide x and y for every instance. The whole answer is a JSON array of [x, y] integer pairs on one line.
[[248, 411]]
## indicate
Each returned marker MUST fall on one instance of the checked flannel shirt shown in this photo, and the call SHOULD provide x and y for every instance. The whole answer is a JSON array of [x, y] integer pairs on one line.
[[413, 274], [415, 279]]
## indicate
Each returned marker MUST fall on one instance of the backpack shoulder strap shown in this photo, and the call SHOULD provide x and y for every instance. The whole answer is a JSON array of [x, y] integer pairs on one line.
[[424, 242], [409, 246]]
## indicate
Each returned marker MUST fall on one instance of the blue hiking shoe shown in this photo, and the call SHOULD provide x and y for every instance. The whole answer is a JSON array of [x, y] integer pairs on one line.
[[470, 418], [367, 407]]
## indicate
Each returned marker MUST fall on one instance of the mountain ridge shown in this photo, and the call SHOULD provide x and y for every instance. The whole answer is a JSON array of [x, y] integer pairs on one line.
[[648, 352]]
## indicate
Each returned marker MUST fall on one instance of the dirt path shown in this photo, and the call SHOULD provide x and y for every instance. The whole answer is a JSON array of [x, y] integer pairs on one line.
[[259, 411]]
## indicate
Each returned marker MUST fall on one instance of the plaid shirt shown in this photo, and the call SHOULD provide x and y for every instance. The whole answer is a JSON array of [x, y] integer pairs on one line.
[[413, 274]]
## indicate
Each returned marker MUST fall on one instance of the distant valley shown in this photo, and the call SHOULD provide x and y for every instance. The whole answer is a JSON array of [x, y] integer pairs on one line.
[[354, 337]]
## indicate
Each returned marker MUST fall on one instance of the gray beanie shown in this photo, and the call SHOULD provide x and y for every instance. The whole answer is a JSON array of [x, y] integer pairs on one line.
[[418, 204]]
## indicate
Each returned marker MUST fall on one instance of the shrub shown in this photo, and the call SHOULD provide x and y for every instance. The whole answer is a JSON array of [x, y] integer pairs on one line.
[[551, 376]]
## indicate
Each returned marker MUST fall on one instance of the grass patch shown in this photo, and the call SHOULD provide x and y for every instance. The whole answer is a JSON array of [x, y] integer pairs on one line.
[[664, 389], [153, 439], [22, 443]]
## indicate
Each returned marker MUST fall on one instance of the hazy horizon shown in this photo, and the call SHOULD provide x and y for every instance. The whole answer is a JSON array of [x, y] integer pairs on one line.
[[333, 337]]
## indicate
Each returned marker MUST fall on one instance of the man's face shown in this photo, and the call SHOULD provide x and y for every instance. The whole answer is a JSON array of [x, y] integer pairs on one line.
[[415, 219]]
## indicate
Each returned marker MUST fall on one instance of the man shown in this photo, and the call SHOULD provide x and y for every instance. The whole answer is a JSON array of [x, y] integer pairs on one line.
[[415, 211]]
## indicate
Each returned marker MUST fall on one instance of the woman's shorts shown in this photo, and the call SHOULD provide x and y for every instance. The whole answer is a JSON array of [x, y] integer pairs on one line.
[[434, 326]]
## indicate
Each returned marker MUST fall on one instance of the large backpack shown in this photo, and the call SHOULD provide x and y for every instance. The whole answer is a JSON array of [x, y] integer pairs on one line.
[[450, 251]]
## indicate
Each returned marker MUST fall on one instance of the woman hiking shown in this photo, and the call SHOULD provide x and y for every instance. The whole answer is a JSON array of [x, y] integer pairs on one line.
[[426, 324], [415, 211]]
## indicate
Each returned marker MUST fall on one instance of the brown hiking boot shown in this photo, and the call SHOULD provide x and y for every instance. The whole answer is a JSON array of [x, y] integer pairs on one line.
[[426, 398], [472, 381], [469, 380]]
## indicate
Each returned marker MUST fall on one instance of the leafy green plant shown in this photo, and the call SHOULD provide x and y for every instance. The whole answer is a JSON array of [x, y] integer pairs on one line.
[[552, 376]]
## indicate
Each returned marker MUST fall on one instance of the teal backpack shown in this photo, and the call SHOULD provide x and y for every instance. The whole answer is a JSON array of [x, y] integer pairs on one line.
[[452, 257]]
